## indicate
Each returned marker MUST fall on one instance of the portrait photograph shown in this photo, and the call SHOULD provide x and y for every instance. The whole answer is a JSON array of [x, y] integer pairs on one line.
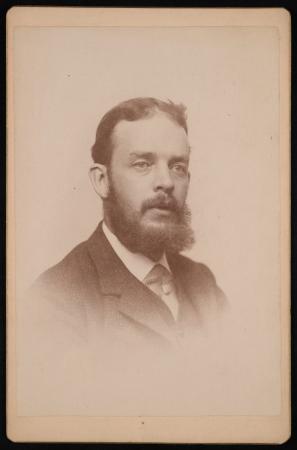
[[148, 237]]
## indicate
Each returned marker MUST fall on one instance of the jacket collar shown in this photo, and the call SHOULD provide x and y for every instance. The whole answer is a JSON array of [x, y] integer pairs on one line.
[[124, 291], [112, 272]]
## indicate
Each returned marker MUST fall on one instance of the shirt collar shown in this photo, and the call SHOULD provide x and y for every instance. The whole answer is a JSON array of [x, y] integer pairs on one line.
[[138, 264]]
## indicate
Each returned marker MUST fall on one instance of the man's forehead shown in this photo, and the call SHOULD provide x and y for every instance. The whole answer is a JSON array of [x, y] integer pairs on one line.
[[158, 130]]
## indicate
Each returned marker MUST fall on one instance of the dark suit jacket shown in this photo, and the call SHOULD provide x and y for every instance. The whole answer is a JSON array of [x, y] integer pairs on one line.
[[98, 296], [90, 332]]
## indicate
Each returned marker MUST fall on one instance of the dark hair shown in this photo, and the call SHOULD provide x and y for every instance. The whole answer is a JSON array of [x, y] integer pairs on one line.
[[133, 109]]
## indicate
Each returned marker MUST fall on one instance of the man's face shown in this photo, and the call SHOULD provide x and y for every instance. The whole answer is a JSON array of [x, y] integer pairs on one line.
[[148, 178]]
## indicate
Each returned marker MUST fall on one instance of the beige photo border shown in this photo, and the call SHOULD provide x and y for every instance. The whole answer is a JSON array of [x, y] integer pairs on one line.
[[202, 429]]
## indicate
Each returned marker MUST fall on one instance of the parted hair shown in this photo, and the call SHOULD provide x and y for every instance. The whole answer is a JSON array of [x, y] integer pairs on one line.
[[132, 110]]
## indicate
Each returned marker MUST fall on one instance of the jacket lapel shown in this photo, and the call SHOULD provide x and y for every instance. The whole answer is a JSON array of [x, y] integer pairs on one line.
[[123, 293], [187, 292], [200, 298]]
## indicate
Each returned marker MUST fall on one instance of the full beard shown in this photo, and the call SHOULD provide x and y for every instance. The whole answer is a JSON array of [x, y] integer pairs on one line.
[[171, 234]]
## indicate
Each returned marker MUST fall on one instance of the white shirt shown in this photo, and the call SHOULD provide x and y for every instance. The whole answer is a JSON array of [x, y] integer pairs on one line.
[[138, 264]]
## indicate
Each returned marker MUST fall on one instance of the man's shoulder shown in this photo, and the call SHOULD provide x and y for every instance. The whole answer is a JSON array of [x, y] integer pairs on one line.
[[76, 279], [189, 268], [69, 270], [198, 281]]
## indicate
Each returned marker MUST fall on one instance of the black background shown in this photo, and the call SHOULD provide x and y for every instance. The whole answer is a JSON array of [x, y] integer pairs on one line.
[[291, 6]]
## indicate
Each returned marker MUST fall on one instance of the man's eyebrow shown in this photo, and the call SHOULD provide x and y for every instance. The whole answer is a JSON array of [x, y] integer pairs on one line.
[[147, 155], [150, 155], [175, 159]]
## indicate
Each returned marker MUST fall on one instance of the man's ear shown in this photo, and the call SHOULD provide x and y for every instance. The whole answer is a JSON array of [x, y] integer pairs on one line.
[[99, 178]]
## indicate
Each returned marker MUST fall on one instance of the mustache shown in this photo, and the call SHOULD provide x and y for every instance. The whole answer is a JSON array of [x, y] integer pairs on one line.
[[161, 201]]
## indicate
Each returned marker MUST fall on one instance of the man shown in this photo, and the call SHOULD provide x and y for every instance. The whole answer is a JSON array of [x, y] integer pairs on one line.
[[119, 304], [128, 281]]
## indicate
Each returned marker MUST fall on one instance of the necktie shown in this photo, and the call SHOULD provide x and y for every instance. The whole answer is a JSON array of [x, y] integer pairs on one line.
[[160, 281]]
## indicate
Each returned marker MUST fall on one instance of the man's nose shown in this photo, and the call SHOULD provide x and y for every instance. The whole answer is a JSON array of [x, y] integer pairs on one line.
[[163, 178]]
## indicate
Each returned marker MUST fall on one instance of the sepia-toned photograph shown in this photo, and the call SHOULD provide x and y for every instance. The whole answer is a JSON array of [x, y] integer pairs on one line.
[[148, 225]]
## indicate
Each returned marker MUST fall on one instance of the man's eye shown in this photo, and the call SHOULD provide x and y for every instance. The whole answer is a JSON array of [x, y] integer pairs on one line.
[[141, 165], [180, 169]]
